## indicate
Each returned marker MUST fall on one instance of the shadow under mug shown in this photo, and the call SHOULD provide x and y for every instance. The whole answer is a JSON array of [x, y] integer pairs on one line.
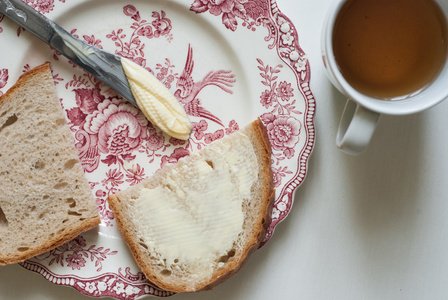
[[362, 113]]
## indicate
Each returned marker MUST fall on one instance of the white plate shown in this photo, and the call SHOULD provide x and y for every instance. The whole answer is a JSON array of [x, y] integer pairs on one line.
[[245, 62]]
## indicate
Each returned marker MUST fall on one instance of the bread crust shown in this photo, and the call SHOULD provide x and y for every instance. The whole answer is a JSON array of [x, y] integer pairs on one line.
[[263, 152], [24, 78], [51, 244], [69, 233]]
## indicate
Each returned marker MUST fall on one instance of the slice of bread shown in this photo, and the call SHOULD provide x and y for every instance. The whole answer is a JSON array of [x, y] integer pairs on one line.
[[45, 199], [194, 223]]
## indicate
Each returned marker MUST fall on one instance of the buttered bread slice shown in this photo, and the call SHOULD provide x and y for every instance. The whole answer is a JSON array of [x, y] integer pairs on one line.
[[192, 224]]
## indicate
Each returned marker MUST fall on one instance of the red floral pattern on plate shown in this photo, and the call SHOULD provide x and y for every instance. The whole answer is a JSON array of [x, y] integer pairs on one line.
[[4, 76], [118, 147], [1, 19], [253, 12], [75, 252]]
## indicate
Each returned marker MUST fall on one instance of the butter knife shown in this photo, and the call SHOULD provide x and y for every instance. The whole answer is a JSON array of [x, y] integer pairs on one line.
[[103, 65]]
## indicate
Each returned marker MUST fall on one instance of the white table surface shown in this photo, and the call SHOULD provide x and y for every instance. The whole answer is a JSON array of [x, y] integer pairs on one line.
[[368, 227]]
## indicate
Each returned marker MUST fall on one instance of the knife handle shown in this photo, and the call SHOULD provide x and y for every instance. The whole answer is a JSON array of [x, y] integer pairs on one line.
[[28, 18], [71, 47], [44, 28], [103, 65]]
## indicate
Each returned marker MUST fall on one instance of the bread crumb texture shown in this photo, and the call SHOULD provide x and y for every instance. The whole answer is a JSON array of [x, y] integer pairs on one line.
[[45, 199]]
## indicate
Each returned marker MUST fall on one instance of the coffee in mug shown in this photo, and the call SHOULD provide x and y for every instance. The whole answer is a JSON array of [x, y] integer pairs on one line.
[[390, 49]]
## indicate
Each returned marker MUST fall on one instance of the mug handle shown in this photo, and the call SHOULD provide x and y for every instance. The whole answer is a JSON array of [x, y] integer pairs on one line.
[[356, 128]]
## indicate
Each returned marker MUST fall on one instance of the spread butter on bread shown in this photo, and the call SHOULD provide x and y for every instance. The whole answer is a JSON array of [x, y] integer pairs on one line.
[[45, 199], [193, 224]]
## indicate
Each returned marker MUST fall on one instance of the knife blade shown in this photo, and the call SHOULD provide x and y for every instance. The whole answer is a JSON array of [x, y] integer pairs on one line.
[[103, 65]]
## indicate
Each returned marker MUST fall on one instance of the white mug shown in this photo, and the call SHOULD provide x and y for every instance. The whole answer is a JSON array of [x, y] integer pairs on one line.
[[362, 113]]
